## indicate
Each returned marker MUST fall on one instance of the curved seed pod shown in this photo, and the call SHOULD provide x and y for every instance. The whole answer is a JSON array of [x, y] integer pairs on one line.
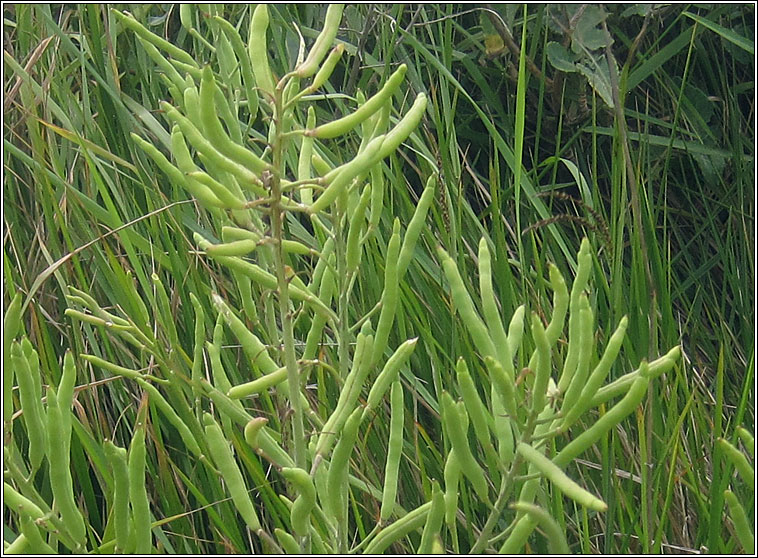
[[323, 41], [257, 48], [516, 330], [31, 404], [377, 195], [452, 475], [585, 340], [11, 327], [477, 412], [174, 51], [598, 376], [138, 492], [244, 61], [168, 411], [304, 160], [257, 386], [394, 451], [556, 539], [305, 502], [390, 295], [741, 522], [324, 73], [415, 226], [19, 503], [389, 374], [117, 458], [202, 193], [337, 478], [465, 307], [403, 129], [61, 482], [345, 124], [740, 462], [433, 520], [610, 419], [287, 541], [542, 368], [459, 440], [35, 543], [227, 466], [253, 430], [246, 177], [363, 161], [559, 479], [226, 196], [560, 305], [410, 522], [216, 133], [353, 249]]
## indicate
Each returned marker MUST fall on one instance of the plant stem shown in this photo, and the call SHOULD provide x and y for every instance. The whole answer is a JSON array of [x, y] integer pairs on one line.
[[288, 338]]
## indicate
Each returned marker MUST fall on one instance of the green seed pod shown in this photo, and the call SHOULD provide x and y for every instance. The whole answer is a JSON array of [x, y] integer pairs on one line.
[[323, 41]]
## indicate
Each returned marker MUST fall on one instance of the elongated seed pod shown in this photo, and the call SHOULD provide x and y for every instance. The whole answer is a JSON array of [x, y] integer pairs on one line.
[[337, 478], [377, 195], [503, 429], [257, 47], [11, 327], [584, 353], [452, 476], [202, 193], [66, 389], [597, 377], [747, 439], [19, 503], [516, 330], [477, 412], [168, 411], [31, 404], [113, 368], [357, 219], [389, 374], [257, 386], [138, 492], [584, 267], [560, 305], [227, 466], [410, 522], [326, 292], [740, 462], [287, 542], [306, 500], [216, 133], [253, 429], [542, 369], [465, 307], [324, 73], [742, 526], [35, 543], [61, 482], [244, 61], [556, 539], [351, 390], [117, 458], [415, 226], [404, 128], [390, 295], [559, 479], [323, 41], [363, 161], [268, 280], [459, 440], [433, 520], [226, 196], [394, 451], [345, 124], [610, 419], [246, 177], [304, 160], [174, 51]]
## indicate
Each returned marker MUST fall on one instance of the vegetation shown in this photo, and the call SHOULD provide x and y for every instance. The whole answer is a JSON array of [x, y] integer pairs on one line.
[[409, 278]]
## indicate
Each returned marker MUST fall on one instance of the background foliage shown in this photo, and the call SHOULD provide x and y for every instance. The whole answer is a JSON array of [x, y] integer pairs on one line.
[[667, 201]]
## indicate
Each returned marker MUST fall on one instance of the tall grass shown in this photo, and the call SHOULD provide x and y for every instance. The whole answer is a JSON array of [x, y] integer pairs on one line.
[[669, 175]]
